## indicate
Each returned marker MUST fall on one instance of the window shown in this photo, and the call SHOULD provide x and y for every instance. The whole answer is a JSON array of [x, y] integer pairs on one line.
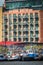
[[37, 32], [14, 19], [19, 39], [15, 39], [31, 32], [31, 39], [31, 16], [36, 39], [25, 32], [6, 33], [10, 28], [6, 20], [27, 15], [31, 28], [19, 32], [19, 26], [25, 26], [6, 26], [31, 22], [31, 35], [6, 39], [25, 19], [31, 25], [15, 32], [36, 22], [25, 39], [10, 16], [37, 25], [36, 28], [19, 19], [36, 17], [15, 26], [5, 16]]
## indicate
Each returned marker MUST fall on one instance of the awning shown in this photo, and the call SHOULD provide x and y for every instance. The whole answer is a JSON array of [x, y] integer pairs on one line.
[[9, 43]]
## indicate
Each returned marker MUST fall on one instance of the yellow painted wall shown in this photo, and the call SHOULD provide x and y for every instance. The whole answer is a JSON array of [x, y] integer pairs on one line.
[[0, 24]]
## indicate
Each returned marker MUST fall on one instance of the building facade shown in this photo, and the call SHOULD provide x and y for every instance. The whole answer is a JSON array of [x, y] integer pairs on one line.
[[1, 20], [21, 22]]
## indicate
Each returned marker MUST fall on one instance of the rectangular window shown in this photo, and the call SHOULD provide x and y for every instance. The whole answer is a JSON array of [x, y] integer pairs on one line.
[[31, 16], [36, 17]]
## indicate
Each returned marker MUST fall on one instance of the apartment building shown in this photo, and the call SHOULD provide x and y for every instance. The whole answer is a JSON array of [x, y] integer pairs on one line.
[[22, 22]]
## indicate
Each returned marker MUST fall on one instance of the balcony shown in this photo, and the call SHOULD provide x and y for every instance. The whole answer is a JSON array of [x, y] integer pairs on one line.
[[25, 39], [25, 23], [19, 39], [36, 29], [10, 23], [5, 16], [4, 23], [37, 32], [31, 25], [19, 19], [25, 29], [31, 29], [19, 26], [25, 32], [36, 39], [5, 20], [31, 21], [25, 36], [19, 36], [15, 39], [25, 19], [36, 22], [10, 37], [14, 16], [36, 36], [36, 25], [14, 26], [31, 39], [19, 16], [19, 29], [15, 32], [6, 26], [31, 32], [4, 30], [25, 26], [15, 23], [36, 17], [31, 35], [14, 19], [31, 16], [6, 39], [19, 23]]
